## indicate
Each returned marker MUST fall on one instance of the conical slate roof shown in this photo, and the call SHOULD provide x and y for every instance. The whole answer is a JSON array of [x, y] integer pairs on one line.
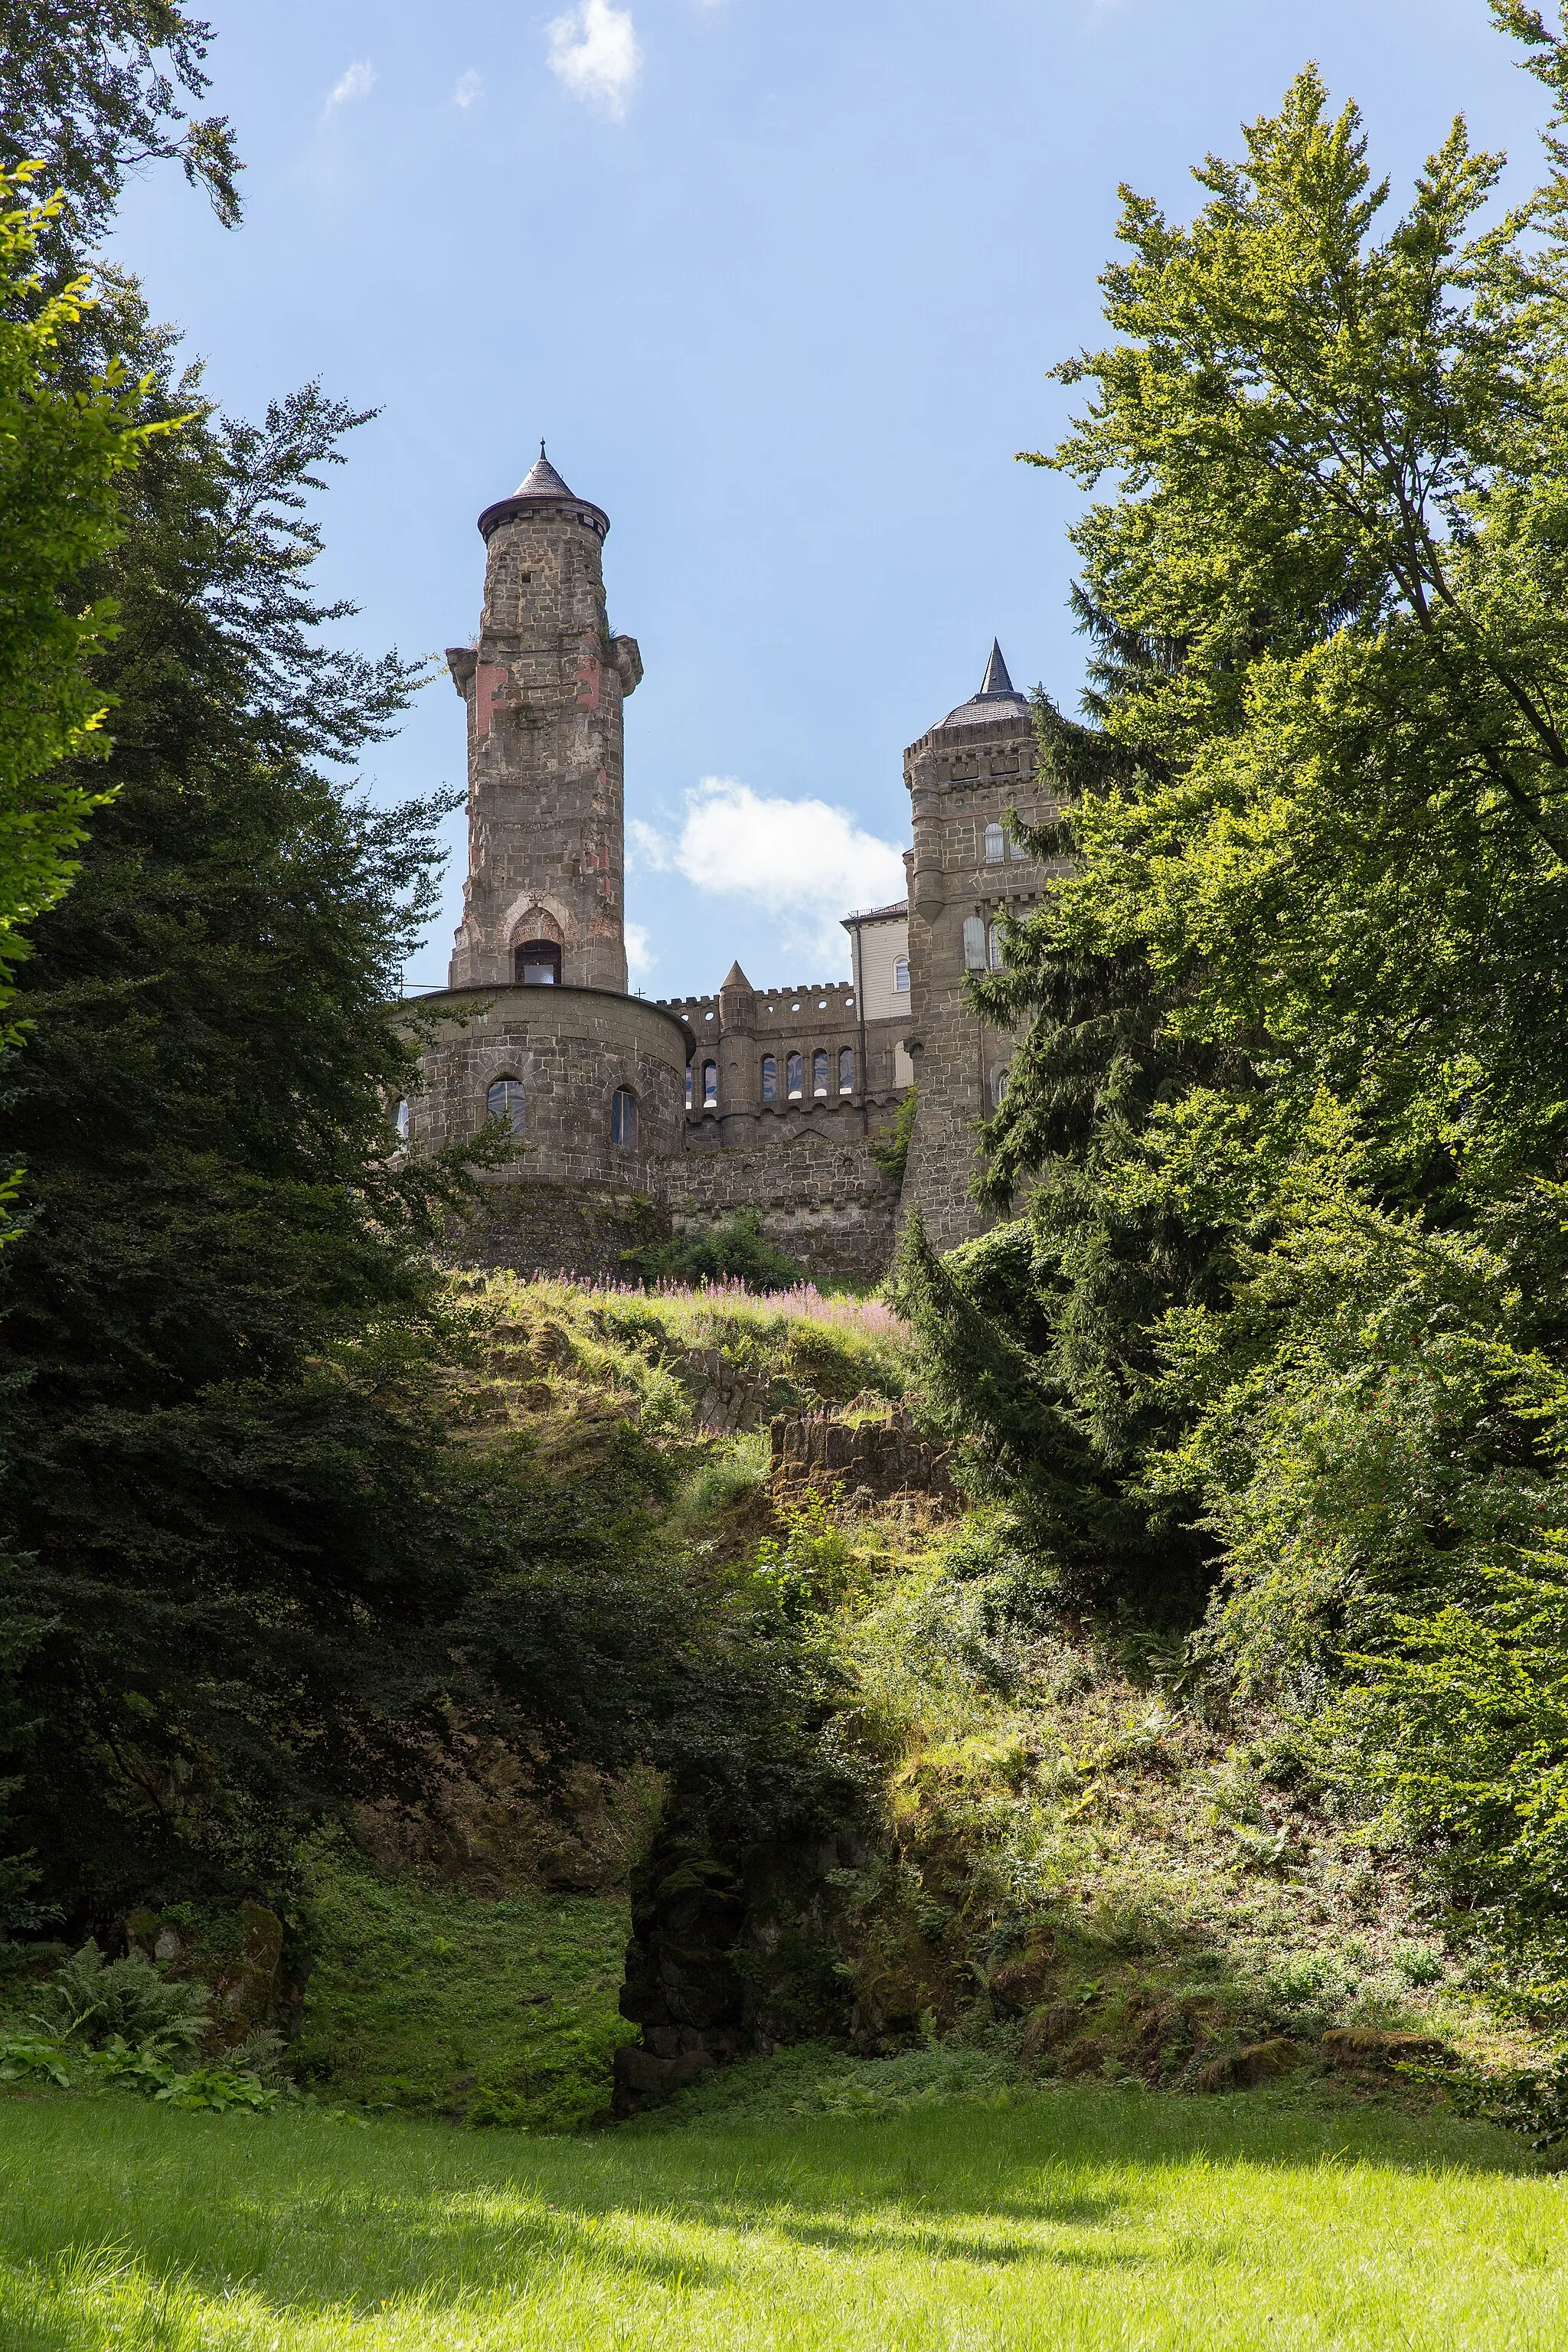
[[999, 697], [541, 481], [540, 489], [735, 978]]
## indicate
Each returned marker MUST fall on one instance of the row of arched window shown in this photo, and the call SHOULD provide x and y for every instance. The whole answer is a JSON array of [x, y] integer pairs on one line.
[[703, 1087], [504, 1100], [982, 944]]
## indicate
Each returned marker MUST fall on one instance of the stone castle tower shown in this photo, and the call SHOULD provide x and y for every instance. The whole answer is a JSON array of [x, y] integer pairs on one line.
[[627, 1118], [544, 685]]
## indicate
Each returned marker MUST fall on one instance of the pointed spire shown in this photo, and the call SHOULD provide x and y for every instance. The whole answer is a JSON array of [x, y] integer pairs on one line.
[[995, 680], [541, 481], [733, 978]]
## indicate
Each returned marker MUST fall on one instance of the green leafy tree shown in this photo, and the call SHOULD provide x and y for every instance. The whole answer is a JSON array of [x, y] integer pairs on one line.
[[64, 453], [96, 93]]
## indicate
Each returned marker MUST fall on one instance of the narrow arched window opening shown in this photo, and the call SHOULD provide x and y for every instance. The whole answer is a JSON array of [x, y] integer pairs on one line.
[[901, 974], [998, 1088], [845, 1070], [995, 845], [503, 1100], [974, 942], [402, 1121], [709, 1085], [536, 963], [819, 1071], [998, 955], [770, 1078], [689, 1086], [793, 1077], [624, 1118]]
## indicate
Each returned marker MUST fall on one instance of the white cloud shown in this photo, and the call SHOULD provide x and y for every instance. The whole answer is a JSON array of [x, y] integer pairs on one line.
[[806, 863], [594, 49], [650, 851], [640, 957], [358, 81], [469, 84]]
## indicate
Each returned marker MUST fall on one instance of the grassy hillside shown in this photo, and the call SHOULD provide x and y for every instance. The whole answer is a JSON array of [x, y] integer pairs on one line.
[[1070, 2219], [1088, 1864]]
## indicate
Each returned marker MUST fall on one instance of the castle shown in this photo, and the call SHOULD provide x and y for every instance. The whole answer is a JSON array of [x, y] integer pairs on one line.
[[633, 1117]]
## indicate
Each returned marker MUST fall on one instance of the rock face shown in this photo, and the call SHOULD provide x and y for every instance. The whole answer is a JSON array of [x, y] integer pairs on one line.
[[879, 1456], [726, 1960]]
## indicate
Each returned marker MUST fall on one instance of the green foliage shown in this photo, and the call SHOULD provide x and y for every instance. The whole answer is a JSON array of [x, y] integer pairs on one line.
[[736, 1250], [96, 93], [65, 447], [92, 2001], [890, 1149], [1283, 1314], [426, 2000]]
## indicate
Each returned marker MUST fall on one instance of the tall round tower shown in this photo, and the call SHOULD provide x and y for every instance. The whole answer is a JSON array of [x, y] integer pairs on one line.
[[544, 685]]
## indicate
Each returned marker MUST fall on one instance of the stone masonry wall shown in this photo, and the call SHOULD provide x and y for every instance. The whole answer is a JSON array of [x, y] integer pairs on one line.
[[544, 686], [570, 1048], [961, 779], [828, 1204]]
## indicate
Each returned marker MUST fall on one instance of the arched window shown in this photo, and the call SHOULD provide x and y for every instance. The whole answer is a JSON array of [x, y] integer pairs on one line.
[[709, 1085], [901, 974], [689, 1086], [845, 1070], [503, 1099], [792, 1076], [819, 1071], [770, 1078], [400, 1121], [998, 1088], [995, 845], [997, 955], [624, 1118], [974, 942], [1016, 849], [536, 963]]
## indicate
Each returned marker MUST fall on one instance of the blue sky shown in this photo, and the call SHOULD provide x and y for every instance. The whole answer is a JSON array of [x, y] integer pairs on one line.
[[781, 280]]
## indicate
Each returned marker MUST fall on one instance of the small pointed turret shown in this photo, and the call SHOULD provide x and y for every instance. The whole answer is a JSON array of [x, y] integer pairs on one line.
[[995, 680], [541, 481], [733, 978]]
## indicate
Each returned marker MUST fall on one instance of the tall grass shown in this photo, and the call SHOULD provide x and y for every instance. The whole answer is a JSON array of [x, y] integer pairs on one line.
[[1076, 2222]]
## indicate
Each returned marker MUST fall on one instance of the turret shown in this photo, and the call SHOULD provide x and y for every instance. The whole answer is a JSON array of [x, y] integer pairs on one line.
[[545, 684]]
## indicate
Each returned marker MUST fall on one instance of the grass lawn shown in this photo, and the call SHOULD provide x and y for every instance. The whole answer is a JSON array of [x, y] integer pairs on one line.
[[1067, 2217]]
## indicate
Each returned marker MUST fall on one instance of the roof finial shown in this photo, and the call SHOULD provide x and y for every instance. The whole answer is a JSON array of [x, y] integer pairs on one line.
[[542, 444]]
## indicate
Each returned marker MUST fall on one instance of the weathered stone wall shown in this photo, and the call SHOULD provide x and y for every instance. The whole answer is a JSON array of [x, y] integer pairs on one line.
[[544, 686], [963, 776], [738, 1027], [570, 1048], [537, 1228], [828, 1204]]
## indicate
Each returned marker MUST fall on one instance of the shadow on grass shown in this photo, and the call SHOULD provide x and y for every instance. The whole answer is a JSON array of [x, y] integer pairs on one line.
[[313, 2222]]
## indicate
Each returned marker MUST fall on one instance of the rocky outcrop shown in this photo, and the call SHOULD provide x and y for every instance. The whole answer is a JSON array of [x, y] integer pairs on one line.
[[879, 1453], [729, 1961]]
